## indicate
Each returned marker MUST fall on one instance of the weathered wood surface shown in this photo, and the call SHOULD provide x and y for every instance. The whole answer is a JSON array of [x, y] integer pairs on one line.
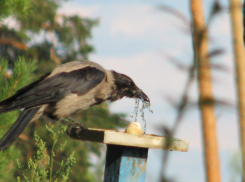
[[125, 139], [125, 164]]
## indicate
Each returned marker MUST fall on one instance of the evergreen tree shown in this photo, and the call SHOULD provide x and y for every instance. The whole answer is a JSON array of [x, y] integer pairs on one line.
[[9, 84], [10, 81], [52, 39]]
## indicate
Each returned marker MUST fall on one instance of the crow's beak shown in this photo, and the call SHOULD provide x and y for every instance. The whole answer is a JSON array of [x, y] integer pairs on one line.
[[144, 97], [138, 93]]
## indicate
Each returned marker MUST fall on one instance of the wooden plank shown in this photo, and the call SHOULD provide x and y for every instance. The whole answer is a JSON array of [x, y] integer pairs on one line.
[[146, 141], [125, 139], [125, 164]]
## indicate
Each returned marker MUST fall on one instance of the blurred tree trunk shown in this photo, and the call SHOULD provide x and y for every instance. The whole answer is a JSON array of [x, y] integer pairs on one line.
[[237, 27], [206, 100]]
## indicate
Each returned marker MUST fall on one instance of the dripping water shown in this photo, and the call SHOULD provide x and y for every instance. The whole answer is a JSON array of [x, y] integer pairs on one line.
[[145, 105]]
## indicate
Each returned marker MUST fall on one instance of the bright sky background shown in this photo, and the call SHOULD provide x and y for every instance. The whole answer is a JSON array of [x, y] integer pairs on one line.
[[133, 38]]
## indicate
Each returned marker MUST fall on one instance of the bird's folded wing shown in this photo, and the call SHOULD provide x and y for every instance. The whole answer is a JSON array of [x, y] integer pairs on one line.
[[54, 88], [22, 91]]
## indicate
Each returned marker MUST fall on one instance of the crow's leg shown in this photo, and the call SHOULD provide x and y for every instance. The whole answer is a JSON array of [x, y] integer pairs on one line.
[[83, 126], [75, 125]]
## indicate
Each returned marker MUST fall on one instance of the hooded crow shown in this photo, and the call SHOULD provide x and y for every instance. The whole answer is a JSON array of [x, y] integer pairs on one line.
[[69, 88]]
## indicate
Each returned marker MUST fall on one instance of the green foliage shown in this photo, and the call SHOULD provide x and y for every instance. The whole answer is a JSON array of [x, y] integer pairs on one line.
[[20, 77], [65, 38], [40, 165], [14, 7], [37, 168], [235, 166], [73, 33], [7, 164], [41, 13]]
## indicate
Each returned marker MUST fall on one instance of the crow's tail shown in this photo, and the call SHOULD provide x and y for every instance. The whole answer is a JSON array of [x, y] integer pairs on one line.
[[16, 129]]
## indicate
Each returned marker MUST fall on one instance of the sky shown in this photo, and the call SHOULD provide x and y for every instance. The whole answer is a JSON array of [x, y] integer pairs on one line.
[[136, 38]]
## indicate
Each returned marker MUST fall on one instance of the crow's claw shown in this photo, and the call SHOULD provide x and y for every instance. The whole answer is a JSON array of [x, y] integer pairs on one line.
[[77, 126]]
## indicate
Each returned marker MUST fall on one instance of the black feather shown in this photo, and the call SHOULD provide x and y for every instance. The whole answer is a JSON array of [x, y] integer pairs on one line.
[[17, 128], [124, 87], [22, 91]]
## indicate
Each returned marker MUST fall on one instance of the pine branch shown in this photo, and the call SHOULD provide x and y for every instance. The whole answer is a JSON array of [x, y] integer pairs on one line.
[[20, 76]]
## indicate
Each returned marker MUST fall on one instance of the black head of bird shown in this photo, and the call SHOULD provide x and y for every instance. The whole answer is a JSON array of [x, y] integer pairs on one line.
[[69, 88], [125, 87]]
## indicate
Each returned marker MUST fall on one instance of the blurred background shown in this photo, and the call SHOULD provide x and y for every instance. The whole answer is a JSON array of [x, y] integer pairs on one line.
[[148, 40]]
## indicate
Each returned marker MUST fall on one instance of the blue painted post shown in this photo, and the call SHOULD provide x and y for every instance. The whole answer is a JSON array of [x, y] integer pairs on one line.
[[125, 164]]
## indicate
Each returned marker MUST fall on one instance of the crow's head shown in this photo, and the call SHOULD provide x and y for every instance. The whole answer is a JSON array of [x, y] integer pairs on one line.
[[125, 86]]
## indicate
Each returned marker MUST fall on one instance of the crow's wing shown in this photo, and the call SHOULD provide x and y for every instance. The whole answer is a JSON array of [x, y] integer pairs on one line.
[[22, 91], [54, 88]]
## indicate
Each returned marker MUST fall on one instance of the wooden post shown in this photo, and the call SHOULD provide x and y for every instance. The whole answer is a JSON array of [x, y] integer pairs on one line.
[[206, 99], [125, 164], [239, 54], [126, 156]]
